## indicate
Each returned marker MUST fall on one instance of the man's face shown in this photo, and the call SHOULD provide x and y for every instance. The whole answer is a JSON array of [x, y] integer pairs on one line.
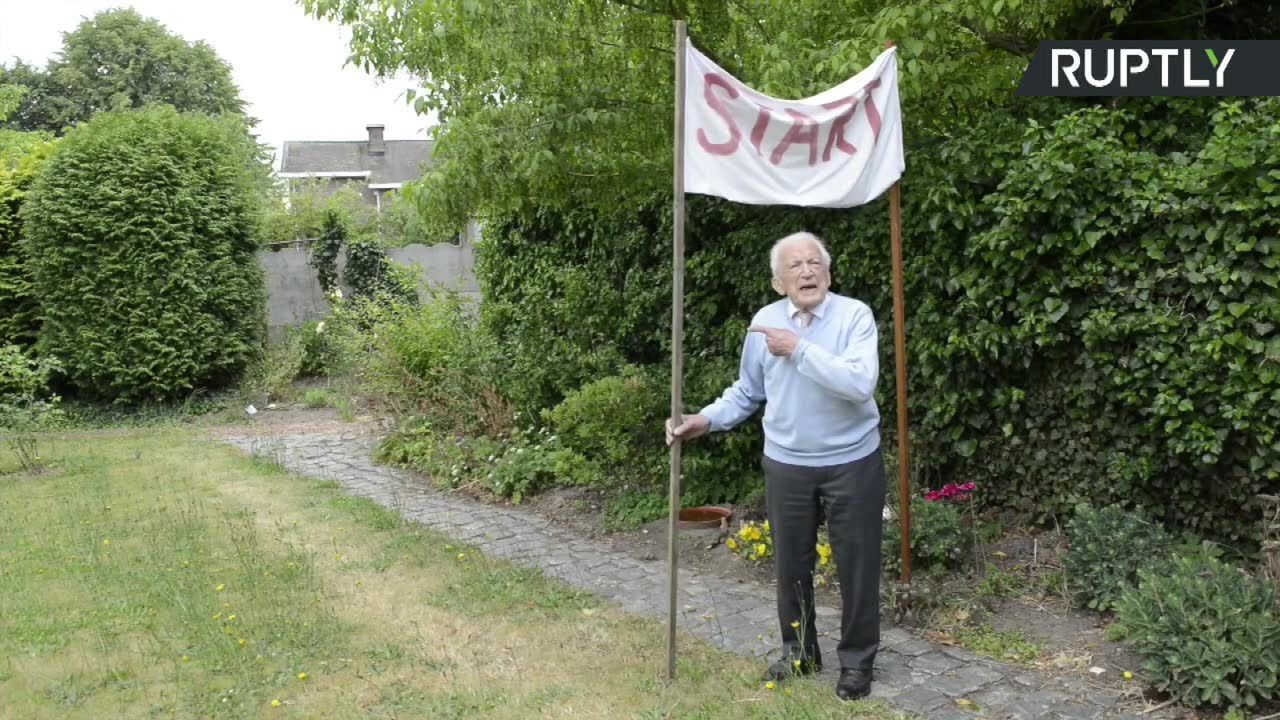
[[802, 276]]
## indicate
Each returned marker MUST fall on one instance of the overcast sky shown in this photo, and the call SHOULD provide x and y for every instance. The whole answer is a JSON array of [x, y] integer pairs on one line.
[[289, 66]]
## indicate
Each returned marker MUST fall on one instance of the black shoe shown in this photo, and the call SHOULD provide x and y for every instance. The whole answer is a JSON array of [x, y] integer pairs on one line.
[[788, 666], [853, 684]]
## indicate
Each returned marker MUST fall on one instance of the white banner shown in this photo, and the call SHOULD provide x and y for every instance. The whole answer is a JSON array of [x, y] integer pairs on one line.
[[840, 148]]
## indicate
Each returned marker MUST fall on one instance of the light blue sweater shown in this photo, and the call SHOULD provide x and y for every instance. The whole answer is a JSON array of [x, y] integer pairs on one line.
[[820, 408]]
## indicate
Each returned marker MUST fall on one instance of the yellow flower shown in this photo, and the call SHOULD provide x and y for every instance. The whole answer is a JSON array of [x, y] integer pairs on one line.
[[231, 618], [1128, 675], [462, 556], [770, 685], [186, 658], [762, 549], [766, 526], [243, 642], [795, 664], [795, 624], [220, 587], [302, 676], [733, 544], [275, 703], [106, 542]]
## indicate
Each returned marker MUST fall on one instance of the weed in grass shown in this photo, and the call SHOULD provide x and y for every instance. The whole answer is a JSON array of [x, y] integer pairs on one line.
[[1000, 584], [317, 399], [985, 640]]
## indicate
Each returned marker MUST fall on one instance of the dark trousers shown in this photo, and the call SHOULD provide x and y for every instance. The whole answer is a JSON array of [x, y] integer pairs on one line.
[[851, 497]]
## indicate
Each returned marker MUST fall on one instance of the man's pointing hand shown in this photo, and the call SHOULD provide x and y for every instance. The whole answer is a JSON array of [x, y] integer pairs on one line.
[[781, 342]]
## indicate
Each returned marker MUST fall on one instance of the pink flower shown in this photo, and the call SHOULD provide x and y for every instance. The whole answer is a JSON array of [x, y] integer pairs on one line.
[[951, 492]]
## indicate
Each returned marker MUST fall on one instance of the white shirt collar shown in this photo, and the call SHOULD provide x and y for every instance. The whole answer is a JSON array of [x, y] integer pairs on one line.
[[818, 311]]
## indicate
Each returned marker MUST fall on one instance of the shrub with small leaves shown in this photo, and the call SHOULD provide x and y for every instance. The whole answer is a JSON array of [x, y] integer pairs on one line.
[[1208, 630], [140, 236], [1108, 547], [937, 536], [616, 421], [535, 461]]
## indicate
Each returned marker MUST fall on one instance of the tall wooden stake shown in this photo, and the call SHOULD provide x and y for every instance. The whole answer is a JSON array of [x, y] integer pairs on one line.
[[677, 350], [900, 356]]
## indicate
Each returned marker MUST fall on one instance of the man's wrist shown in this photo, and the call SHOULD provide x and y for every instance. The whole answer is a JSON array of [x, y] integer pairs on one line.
[[798, 354]]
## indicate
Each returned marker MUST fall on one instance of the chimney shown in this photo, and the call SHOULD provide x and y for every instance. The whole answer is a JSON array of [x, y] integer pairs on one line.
[[377, 146]]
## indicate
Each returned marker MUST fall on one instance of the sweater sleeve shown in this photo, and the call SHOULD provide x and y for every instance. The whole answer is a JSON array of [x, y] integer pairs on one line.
[[851, 374], [746, 394]]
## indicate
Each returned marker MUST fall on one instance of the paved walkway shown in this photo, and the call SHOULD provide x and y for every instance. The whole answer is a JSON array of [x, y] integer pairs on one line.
[[911, 674]]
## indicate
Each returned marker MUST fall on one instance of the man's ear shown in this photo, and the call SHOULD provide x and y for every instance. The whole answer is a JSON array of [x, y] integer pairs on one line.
[[777, 286]]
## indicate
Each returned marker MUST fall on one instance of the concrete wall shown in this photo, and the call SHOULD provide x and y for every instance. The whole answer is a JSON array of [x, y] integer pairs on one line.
[[294, 295]]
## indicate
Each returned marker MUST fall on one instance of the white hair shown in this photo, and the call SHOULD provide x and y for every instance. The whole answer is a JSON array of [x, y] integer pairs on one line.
[[775, 253]]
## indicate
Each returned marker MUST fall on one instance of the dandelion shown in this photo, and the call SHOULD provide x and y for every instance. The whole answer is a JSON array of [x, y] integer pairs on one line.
[[771, 685], [462, 556], [220, 588], [231, 618], [302, 676], [106, 542], [1128, 675], [186, 658], [275, 703], [795, 624], [243, 642], [795, 664]]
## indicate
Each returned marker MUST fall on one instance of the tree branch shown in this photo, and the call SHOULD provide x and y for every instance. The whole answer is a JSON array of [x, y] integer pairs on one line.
[[1011, 44]]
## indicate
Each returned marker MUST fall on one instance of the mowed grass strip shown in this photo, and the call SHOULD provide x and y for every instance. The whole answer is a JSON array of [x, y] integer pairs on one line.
[[161, 576]]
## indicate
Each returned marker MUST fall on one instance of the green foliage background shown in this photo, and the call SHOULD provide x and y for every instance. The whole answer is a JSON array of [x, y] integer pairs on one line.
[[1091, 287]]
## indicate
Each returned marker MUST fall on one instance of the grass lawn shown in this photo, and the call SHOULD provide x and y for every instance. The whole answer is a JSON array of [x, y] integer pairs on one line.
[[155, 575]]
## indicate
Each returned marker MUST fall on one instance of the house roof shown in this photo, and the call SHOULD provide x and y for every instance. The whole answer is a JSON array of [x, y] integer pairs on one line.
[[403, 161]]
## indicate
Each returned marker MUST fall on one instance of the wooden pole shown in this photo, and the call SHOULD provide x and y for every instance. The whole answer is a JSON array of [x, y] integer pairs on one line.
[[900, 356], [677, 349]]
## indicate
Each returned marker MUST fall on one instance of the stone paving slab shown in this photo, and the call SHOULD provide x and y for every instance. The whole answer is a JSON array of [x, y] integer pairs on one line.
[[911, 674]]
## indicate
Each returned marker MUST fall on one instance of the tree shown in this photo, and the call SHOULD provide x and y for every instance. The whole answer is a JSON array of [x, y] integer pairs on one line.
[[119, 59], [569, 102]]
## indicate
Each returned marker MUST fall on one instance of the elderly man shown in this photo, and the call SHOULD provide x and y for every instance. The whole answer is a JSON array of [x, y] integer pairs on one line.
[[811, 357]]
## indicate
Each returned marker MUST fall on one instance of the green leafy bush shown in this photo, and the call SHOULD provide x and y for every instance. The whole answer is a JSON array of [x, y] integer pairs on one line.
[[1057, 354], [616, 421], [1209, 632], [534, 461], [25, 399], [19, 309], [449, 460], [26, 406], [938, 537], [318, 349], [427, 361], [1108, 547], [140, 236]]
